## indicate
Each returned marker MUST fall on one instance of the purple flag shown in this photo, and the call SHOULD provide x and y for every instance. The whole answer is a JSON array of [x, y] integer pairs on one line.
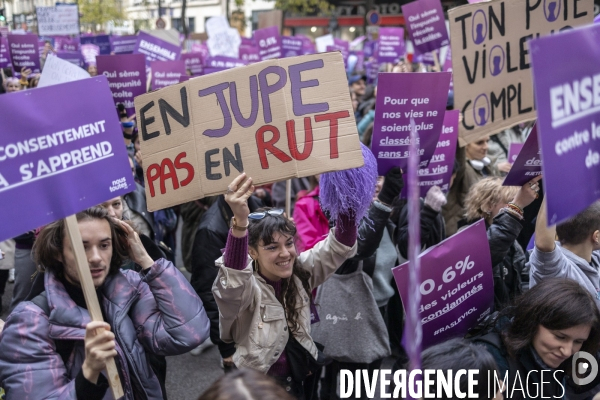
[[528, 164], [102, 41], [426, 26], [122, 44], [166, 73], [126, 75], [74, 57], [4, 53], [155, 49], [24, 52], [457, 288], [249, 53], [193, 63], [568, 107], [269, 42], [391, 45], [401, 97], [291, 46], [513, 151], [68, 158]]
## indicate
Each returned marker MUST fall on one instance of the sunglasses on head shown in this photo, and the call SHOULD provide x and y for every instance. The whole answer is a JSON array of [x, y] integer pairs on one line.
[[262, 214]]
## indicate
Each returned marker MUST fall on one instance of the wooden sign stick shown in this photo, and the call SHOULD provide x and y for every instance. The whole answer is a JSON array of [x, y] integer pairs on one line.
[[91, 299], [288, 198]]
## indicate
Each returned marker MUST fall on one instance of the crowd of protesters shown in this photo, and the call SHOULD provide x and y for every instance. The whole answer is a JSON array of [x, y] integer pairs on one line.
[[257, 300]]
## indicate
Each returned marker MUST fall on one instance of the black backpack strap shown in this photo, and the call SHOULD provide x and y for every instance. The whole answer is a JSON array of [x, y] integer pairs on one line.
[[41, 300]]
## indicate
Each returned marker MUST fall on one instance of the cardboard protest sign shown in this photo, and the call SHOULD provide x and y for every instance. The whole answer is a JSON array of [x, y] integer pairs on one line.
[[193, 63], [59, 20], [122, 44], [78, 149], [166, 73], [439, 171], [568, 100], [274, 120], [4, 53], [102, 41], [528, 163], [24, 53], [155, 49], [249, 54], [490, 55], [126, 75], [58, 71], [513, 151], [457, 288], [291, 46], [401, 97], [426, 25], [391, 45], [268, 41]]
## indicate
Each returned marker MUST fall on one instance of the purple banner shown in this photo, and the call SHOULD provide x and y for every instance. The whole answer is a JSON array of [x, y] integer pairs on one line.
[[74, 57], [268, 41], [528, 164], [24, 53], [221, 63], [457, 288], [391, 45], [291, 46], [249, 54], [4, 53], [166, 73], [513, 151], [401, 97], [426, 26], [75, 143], [155, 49], [126, 75], [193, 63], [568, 106], [102, 41], [439, 170], [122, 44]]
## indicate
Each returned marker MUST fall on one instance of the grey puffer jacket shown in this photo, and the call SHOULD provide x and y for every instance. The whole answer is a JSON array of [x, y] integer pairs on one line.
[[155, 310]]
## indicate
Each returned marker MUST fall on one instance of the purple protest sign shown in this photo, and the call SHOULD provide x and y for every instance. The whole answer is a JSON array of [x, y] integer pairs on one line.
[[269, 42], [308, 47], [75, 144], [439, 170], [370, 49], [221, 63], [400, 98], [568, 108], [122, 44], [513, 151], [24, 53], [166, 73], [89, 53], [426, 26], [249, 54], [291, 46], [193, 63], [74, 57], [102, 41], [4, 53], [247, 41], [457, 288], [65, 43], [342, 46], [528, 163], [391, 45], [200, 48], [371, 71], [360, 60], [4, 31], [448, 65], [126, 75], [155, 49]]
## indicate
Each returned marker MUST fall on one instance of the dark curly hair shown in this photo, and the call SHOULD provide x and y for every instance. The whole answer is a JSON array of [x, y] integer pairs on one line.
[[48, 246], [263, 231]]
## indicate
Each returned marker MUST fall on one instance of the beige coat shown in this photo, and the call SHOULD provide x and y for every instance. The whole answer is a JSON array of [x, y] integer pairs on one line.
[[251, 316]]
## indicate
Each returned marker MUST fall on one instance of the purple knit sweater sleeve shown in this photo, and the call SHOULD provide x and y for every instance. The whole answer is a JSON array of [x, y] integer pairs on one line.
[[346, 229], [236, 251]]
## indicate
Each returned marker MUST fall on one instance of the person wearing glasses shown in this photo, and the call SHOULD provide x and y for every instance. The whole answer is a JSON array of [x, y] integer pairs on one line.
[[263, 289]]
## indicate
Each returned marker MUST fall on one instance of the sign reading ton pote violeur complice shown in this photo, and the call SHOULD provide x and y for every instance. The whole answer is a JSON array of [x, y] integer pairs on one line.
[[274, 120], [493, 87]]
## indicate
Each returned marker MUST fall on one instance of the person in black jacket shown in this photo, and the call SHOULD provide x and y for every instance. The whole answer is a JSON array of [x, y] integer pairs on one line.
[[489, 200], [211, 238]]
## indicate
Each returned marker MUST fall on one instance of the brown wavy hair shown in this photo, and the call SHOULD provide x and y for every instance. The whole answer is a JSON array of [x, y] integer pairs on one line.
[[487, 192], [48, 247], [263, 230], [245, 384]]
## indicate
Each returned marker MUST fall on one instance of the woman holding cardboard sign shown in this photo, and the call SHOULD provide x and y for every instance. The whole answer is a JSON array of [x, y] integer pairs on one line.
[[264, 300], [50, 349]]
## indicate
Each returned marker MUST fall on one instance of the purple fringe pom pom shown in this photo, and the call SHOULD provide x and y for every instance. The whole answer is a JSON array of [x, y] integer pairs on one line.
[[350, 191]]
